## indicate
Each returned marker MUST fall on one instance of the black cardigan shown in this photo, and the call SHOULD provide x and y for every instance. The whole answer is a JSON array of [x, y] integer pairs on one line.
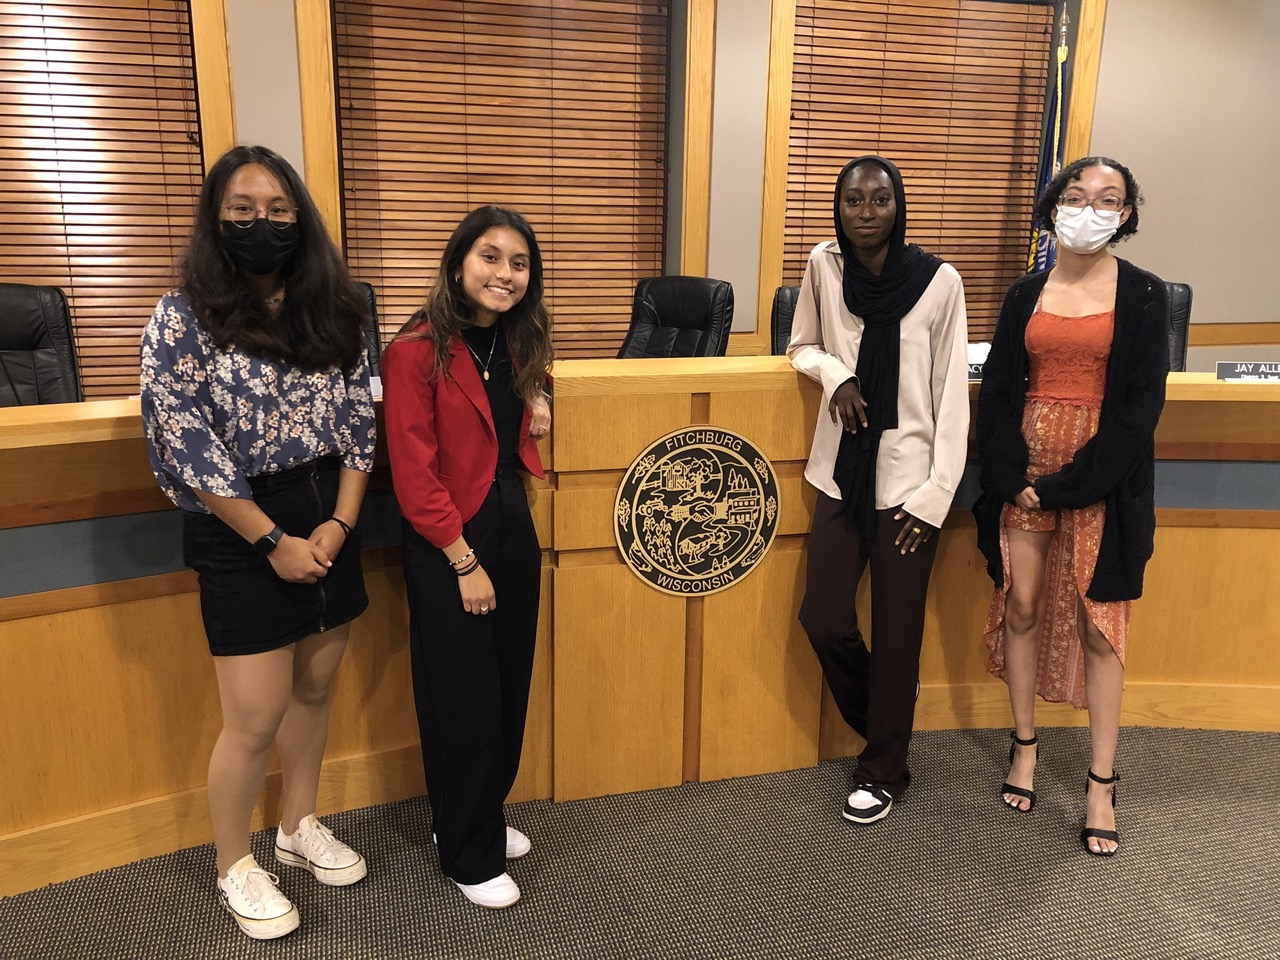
[[1116, 466]]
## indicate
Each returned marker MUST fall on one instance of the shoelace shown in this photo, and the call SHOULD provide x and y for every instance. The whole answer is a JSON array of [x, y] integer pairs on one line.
[[327, 839], [251, 885]]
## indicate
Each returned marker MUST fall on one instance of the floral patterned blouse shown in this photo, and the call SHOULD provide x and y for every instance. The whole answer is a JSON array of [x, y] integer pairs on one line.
[[212, 417]]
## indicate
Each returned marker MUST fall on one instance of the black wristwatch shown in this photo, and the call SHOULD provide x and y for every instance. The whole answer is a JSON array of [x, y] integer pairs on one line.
[[268, 542]]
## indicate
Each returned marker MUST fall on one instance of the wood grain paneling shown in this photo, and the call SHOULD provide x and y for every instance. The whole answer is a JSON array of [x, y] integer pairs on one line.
[[761, 683], [213, 79], [619, 662], [773, 200], [1085, 60], [1232, 334], [699, 91], [314, 23]]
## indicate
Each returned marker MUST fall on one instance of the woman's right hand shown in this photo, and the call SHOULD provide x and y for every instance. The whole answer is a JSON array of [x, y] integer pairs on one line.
[[848, 402], [1027, 499], [477, 592], [299, 561]]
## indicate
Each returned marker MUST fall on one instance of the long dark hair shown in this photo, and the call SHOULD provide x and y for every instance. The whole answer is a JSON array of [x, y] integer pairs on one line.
[[448, 311], [320, 324]]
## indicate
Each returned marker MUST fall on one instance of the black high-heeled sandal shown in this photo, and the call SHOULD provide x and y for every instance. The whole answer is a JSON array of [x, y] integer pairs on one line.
[[1008, 787], [1093, 832]]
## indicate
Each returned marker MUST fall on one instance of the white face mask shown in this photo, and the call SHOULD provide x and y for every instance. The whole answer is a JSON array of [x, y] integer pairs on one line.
[[1084, 229]]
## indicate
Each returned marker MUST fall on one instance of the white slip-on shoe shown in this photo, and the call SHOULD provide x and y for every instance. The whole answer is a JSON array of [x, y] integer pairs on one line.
[[517, 843], [495, 894], [314, 847], [250, 895], [867, 804]]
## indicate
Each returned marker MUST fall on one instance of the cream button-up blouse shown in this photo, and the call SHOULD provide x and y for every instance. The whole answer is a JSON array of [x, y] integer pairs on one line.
[[921, 460]]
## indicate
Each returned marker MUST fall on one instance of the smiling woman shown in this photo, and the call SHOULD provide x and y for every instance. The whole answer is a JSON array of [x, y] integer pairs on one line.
[[464, 408]]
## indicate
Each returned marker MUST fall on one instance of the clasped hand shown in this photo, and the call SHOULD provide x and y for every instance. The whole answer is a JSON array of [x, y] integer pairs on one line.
[[1027, 499], [306, 561]]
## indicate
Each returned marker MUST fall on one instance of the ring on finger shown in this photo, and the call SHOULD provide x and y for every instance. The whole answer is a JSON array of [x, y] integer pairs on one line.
[[916, 530]]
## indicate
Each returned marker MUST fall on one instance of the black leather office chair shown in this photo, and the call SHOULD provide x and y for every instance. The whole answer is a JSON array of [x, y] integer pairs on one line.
[[1179, 319], [37, 350], [784, 308], [372, 336], [679, 317]]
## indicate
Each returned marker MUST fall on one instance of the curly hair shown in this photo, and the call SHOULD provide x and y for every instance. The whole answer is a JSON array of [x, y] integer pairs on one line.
[[321, 321], [448, 310], [1133, 198]]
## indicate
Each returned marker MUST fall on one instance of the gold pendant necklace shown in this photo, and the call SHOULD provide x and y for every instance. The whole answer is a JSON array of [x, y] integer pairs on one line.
[[484, 363]]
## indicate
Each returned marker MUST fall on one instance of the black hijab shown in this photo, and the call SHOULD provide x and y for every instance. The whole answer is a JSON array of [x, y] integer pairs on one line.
[[881, 301]]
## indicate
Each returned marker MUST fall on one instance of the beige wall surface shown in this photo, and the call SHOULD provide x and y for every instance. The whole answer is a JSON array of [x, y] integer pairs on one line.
[[1186, 99], [263, 48], [737, 152]]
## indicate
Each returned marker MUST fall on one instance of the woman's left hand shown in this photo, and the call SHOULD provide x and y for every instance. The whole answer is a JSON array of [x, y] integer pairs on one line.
[[540, 421], [915, 533], [329, 537]]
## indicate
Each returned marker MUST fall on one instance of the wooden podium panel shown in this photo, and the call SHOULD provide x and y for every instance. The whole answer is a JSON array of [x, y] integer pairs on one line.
[[650, 687], [761, 683], [619, 665]]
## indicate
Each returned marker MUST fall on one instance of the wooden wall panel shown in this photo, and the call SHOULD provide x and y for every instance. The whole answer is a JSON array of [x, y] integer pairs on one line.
[[761, 683], [620, 427], [619, 683]]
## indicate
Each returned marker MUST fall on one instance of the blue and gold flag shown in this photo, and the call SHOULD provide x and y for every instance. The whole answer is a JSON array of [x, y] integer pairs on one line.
[[1054, 133]]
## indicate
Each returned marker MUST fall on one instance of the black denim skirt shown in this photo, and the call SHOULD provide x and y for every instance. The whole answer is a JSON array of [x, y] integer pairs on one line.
[[245, 606]]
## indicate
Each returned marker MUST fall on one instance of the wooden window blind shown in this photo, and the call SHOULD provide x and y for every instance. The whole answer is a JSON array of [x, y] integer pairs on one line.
[[556, 109], [100, 165], [952, 91]]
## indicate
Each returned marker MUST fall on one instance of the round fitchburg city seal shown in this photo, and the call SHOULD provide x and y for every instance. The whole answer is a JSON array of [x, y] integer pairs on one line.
[[696, 511]]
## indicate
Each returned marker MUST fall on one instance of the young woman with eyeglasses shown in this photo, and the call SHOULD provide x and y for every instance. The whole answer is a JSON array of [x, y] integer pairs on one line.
[[464, 409], [259, 421], [1071, 394]]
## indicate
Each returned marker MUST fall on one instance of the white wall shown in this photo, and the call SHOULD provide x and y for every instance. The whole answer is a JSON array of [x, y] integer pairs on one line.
[[1187, 100], [737, 151], [262, 42]]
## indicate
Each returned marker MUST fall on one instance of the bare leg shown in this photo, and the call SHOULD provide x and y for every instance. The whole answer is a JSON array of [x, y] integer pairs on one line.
[[305, 728], [1027, 552], [254, 692], [1104, 687]]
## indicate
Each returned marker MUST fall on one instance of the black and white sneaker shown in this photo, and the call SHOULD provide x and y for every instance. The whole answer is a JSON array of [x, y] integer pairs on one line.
[[867, 804]]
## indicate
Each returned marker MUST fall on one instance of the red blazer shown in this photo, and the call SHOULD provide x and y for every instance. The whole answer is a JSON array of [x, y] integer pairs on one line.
[[441, 439]]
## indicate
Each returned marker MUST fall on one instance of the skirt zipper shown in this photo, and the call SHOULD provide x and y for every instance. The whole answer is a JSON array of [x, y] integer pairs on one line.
[[324, 600]]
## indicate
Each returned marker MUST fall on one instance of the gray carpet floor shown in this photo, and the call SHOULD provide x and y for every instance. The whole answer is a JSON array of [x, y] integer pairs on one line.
[[764, 867]]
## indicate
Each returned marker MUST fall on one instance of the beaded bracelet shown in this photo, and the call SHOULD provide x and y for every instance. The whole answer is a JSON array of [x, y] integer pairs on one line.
[[343, 524], [462, 559]]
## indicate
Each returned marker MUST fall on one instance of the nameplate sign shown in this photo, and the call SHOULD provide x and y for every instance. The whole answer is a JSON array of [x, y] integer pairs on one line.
[[696, 511], [975, 371], [1257, 372]]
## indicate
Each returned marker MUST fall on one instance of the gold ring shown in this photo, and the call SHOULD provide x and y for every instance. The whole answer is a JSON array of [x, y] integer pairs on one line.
[[916, 531], [484, 609]]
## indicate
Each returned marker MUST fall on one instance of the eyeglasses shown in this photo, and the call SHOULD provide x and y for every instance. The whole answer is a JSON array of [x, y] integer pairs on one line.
[[1078, 201], [244, 216]]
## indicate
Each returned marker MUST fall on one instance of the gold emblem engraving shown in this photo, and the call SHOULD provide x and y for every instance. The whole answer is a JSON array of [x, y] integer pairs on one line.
[[696, 511]]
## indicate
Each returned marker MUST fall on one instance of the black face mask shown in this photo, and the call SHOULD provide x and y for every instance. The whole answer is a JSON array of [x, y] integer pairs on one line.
[[260, 248]]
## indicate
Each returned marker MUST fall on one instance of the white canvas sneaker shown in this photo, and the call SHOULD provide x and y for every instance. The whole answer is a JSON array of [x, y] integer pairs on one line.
[[314, 847], [250, 895], [495, 894]]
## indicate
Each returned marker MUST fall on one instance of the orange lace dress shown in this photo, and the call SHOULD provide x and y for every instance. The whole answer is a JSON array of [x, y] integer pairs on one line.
[[1067, 360]]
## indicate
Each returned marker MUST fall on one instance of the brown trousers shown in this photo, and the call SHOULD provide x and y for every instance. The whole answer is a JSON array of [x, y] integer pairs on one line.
[[875, 690]]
